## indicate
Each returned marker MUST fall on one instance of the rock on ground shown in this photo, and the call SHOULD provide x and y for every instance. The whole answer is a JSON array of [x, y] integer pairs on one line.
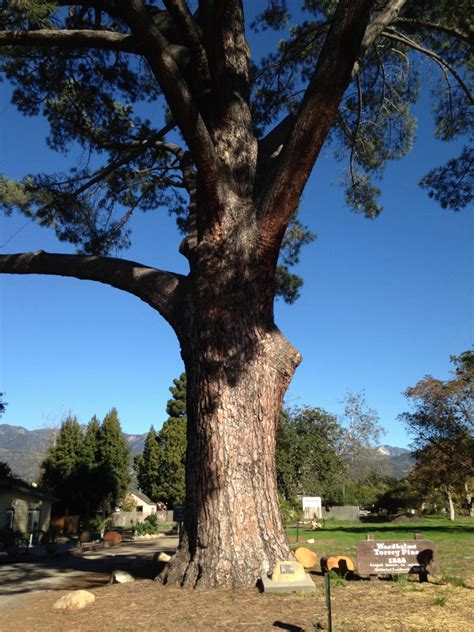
[[75, 600], [121, 577]]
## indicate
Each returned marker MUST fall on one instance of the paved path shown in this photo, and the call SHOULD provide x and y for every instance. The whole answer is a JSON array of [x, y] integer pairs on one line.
[[79, 571]]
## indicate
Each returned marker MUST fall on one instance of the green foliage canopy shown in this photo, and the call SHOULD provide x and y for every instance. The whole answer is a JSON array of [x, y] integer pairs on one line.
[[161, 469], [306, 458], [87, 468], [95, 100]]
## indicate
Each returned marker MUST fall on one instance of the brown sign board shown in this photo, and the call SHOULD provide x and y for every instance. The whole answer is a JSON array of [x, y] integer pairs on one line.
[[396, 557]]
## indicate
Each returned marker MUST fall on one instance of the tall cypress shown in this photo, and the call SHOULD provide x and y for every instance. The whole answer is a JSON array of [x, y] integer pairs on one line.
[[147, 465], [114, 459], [91, 496], [172, 441], [62, 463]]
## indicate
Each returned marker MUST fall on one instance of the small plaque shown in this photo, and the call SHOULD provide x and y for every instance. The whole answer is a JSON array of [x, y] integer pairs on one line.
[[287, 569]]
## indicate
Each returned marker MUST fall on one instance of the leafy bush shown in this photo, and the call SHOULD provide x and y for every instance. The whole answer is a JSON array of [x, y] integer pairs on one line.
[[152, 519], [146, 528], [288, 510]]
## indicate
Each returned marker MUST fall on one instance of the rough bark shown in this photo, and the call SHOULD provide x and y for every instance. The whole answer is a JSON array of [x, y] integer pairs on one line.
[[233, 529]]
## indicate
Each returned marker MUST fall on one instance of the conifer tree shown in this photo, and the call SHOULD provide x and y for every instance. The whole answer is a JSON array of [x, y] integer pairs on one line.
[[62, 464], [147, 466], [161, 469], [114, 461], [89, 468], [172, 442]]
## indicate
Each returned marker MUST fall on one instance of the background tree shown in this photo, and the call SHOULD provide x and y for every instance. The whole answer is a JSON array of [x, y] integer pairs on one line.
[[113, 471], [88, 470], [361, 435], [306, 458], [147, 464], [62, 465], [442, 428], [162, 466], [347, 74], [3, 405], [400, 497], [5, 470]]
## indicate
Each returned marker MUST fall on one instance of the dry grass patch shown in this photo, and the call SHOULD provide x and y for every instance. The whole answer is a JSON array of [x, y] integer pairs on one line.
[[358, 605]]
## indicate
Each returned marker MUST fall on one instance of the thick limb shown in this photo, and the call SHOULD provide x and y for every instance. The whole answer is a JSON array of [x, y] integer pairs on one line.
[[160, 289]]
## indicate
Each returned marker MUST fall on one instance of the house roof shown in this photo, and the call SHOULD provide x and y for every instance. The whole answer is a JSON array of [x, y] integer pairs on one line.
[[141, 496], [9, 484]]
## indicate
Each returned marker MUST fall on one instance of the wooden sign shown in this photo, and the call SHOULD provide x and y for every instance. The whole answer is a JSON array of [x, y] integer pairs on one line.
[[396, 557], [178, 513]]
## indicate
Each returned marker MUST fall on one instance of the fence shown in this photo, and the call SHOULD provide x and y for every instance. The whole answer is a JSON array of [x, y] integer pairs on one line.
[[125, 518], [345, 512]]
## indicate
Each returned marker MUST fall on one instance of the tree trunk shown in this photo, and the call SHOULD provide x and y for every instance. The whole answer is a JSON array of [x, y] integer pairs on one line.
[[450, 504], [468, 499], [238, 369]]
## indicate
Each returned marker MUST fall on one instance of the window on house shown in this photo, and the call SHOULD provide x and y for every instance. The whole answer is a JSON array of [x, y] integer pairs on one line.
[[139, 508], [9, 518], [34, 516]]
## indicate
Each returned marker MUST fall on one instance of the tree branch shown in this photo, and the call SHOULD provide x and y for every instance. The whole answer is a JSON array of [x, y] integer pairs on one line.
[[191, 35], [162, 290], [314, 119], [432, 26], [375, 28], [181, 101], [65, 38], [399, 37]]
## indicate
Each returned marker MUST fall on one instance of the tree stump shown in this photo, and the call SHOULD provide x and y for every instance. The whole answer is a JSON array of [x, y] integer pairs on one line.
[[306, 557], [342, 564]]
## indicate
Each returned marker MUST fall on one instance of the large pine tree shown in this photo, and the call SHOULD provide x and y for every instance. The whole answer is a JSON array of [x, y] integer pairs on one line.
[[347, 74]]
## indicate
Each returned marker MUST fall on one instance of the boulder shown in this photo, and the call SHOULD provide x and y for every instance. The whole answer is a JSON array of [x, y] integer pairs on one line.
[[305, 556], [113, 537], [121, 577], [75, 600], [340, 563], [163, 557]]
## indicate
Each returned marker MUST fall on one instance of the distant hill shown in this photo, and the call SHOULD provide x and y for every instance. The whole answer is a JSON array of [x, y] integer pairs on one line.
[[24, 450], [395, 461]]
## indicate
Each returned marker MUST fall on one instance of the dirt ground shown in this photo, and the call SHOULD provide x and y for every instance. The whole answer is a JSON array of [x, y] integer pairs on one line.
[[357, 605]]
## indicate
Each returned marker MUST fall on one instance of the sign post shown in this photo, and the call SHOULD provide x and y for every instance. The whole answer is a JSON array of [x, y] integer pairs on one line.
[[327, 586], [178, 516], [397, 557]]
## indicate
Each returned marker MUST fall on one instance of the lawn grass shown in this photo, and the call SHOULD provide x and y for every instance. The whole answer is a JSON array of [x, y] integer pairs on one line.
[[455, 540]]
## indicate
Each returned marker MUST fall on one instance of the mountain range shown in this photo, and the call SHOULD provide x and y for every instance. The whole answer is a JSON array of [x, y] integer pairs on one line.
[[24, 450]]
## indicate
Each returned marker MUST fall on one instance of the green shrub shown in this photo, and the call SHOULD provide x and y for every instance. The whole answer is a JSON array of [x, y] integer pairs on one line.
[[146, 528], [289, 512], [152, 519]]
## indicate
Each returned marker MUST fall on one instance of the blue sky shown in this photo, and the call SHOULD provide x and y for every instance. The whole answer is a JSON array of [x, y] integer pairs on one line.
[[384, 302]]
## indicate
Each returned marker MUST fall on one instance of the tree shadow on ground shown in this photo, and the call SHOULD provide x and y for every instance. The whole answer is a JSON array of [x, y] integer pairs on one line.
[[73, 571]]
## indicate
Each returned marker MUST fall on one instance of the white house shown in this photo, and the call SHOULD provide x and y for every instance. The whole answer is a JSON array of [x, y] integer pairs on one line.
[[142, 503]]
